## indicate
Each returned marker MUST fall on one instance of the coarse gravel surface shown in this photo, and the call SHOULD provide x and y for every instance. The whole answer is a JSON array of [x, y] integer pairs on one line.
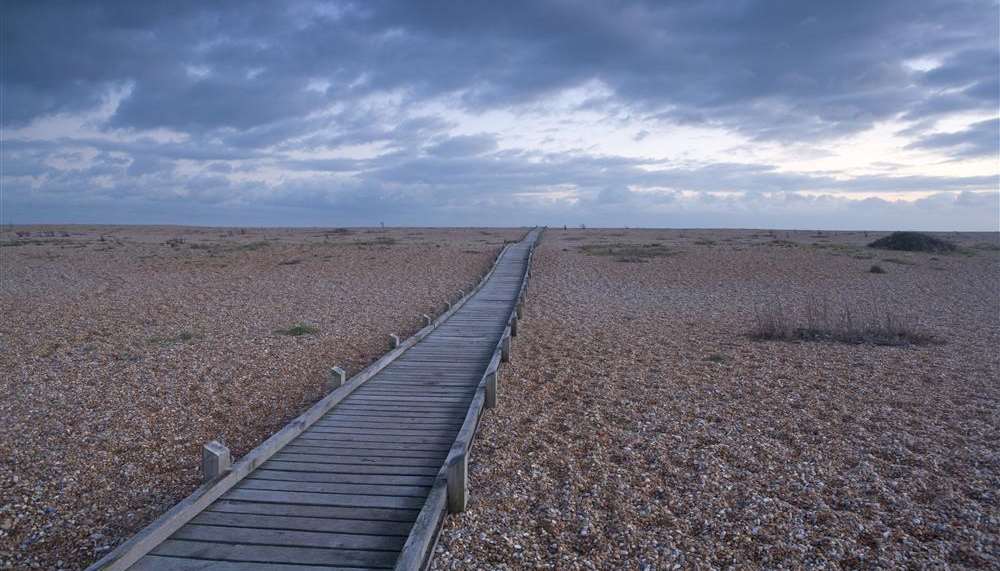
[[641, 427], [124, 349]]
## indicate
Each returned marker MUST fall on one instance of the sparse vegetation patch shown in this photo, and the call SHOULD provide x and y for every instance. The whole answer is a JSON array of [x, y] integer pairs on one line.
[[628, 252], [380, 241], [183, 337], [820, 321], [298, 330]]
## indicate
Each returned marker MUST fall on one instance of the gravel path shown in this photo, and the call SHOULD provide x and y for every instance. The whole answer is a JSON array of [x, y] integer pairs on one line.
[[123, 350], [641, 428]]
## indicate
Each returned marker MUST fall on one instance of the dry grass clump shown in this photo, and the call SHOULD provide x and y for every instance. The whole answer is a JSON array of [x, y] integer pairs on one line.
[[819, 321], [299, 329], [913, 242], [380, 241], [623, 252]]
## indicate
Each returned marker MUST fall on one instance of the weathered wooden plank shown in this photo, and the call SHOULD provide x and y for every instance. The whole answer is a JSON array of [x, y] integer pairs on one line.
[[407, 392], [339, 422], [341, 451], [366, 460], [434, 438], [397, 417], [290, 538], [379, 447], [398, 431], [352, 468], [406, 405], [317, 499], [269, 474], [327, 488], [413, 399], [333, 442], [390, 407], [276, 554], [384, 528], [164, 563], [388, 412], [329, 512]]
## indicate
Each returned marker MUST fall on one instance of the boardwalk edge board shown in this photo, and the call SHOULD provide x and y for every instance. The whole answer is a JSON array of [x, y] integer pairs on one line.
[[450, 491], [148, 538]]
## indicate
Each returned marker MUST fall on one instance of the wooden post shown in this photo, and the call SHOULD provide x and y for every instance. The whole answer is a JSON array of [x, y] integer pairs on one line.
[[215, 460], [458, 484], [491, 389], [461, 293], [505, 348], [448, 305], [393, 341], [337, 378], [427, 319], [520, 309], [513, 327]]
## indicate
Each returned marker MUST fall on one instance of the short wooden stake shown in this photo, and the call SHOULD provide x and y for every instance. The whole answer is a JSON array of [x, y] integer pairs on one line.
[[337, 378], [491, 389], [448, 305], [513, 327], [520, 309], [505, 349], [458, 484], [215, 460], [393, 341], [427, 319], [461, 293]]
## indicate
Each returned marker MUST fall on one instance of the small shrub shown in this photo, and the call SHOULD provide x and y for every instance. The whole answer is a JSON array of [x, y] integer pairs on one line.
[[913, 242], [716, 358], [299, 329], [876, 269], [291, 262]]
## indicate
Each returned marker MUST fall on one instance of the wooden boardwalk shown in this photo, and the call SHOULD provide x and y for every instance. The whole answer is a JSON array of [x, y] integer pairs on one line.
[[365, 484]]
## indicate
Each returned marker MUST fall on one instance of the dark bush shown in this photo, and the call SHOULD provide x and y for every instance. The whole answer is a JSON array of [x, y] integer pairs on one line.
[[912, 242]]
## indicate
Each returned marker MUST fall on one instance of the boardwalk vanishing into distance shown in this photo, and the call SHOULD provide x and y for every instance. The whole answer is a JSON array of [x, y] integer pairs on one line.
[[363, 479]]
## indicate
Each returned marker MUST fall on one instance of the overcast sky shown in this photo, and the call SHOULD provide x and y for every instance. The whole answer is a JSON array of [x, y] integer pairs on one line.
[[729, 113]]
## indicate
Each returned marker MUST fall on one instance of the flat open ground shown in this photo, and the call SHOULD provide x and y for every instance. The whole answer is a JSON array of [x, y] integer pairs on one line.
[[124, 349], [640, 427]]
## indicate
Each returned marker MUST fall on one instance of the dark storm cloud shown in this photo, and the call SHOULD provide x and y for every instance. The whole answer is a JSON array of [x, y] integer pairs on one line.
[[804, 69]]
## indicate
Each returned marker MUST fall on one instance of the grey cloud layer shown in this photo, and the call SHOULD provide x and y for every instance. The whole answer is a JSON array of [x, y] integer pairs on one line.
[[255, 86]]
